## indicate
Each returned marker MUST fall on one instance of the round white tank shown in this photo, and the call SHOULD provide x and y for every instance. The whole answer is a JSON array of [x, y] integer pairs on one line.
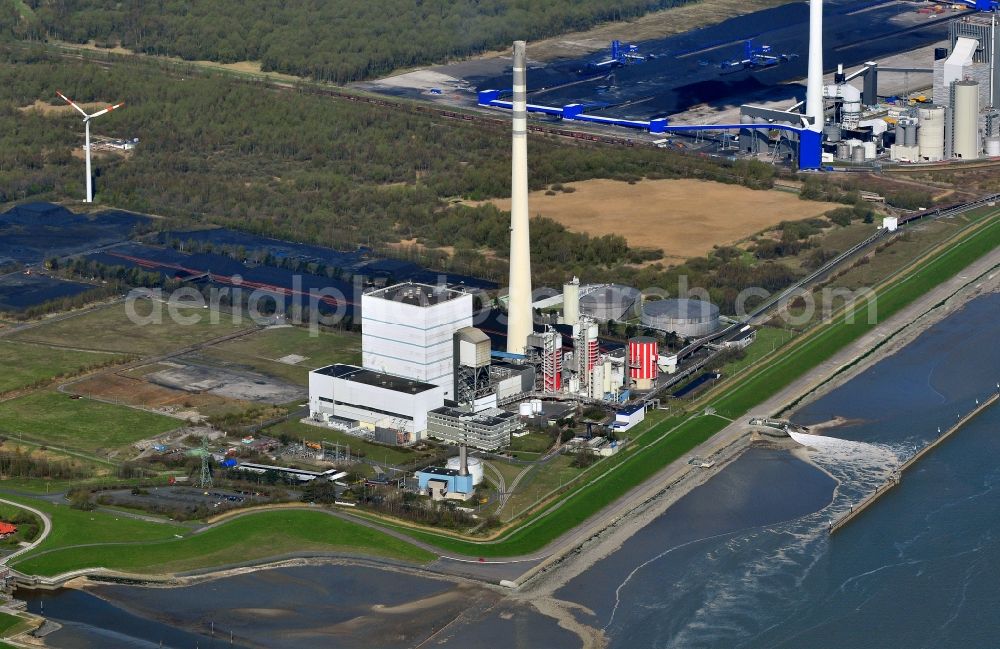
[[536, 406], [870, 150], [967, 120], [930, 136], [524, 409], [858, 154], [993, 147], [475, 468]]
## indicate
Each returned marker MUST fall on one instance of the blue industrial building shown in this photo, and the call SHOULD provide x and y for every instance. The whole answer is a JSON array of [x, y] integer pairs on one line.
[[440, 483]]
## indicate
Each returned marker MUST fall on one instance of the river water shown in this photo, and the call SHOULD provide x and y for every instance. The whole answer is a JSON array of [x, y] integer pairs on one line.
[[742, 561], [919, 569]]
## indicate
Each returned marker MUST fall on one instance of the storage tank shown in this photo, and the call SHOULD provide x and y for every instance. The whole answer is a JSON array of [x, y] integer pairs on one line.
[[685, 317], [643, 353], [524, 409], [930, 135], [871, 150], [475, 467], [831, 132], [843, 150], [966, 120], [909, 132], [536, 406], [610, 302], [993, 147], [858, 154]]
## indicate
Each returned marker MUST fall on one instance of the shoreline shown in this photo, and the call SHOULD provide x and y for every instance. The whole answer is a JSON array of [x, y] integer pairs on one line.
[[889, 337]]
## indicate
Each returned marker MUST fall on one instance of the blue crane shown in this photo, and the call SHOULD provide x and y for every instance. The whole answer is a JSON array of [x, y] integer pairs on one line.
[[622, 54], [759, 56], [810, 141]]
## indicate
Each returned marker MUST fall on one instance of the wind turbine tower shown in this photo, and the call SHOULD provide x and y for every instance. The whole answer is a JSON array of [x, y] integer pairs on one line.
[[519, 318], [86, 129]]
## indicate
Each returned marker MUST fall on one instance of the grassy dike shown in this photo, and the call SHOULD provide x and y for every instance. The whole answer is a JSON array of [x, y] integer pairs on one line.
[[673, 443], [96, 539], [81, 539]]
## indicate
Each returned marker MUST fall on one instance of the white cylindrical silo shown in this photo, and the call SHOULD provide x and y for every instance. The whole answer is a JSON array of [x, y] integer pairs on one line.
[[966, 120], [930, 135], [870, 150], [536, 406], [993, 147], [524, 409], [571, 302]]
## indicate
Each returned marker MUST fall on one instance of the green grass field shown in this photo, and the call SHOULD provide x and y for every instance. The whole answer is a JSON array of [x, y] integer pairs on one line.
[[256, 536], [72, 527], [56, 419], [261, 350], [110, 329], [27, 364], [11, 625], [769, 339]]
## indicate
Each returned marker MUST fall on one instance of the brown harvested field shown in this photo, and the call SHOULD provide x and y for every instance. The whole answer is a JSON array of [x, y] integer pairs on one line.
[[58, 109], [137, 392], [684, 218]]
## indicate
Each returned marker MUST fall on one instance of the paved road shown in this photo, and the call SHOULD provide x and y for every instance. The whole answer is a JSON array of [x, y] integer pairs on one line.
[[46, 529]]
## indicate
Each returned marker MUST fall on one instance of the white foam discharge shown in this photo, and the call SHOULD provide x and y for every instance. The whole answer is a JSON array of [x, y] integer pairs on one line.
[[748, 582]]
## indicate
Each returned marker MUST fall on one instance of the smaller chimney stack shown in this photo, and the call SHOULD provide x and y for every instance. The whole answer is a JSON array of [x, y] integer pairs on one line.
[[463, 460]]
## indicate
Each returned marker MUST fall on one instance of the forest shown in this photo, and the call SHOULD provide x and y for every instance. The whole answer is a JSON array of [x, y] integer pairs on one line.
[[340, 41], [218, 150]]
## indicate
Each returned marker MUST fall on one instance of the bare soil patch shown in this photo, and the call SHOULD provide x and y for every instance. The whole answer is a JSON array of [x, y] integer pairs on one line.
[[658, 24], [684, 218]]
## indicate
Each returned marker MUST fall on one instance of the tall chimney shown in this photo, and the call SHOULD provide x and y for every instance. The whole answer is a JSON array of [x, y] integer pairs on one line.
[[814, 83], [463, 460], [519, 318]]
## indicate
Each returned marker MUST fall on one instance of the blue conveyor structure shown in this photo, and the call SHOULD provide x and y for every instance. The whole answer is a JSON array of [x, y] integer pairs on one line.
[[810, 142]]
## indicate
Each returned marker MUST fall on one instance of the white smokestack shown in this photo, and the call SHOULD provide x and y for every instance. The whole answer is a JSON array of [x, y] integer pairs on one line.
[[814, 84], [519, 319]]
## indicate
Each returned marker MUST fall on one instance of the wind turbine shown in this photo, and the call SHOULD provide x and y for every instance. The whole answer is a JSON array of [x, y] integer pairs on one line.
[[86, 147]]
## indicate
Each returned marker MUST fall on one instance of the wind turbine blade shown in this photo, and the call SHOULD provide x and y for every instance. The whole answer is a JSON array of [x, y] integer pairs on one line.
[[70, 102], [107, 110]]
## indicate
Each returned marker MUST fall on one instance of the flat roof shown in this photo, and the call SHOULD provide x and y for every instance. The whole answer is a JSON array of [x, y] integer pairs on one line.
[[437, 470], [631, 410], [416, 294], [491, 417], [375, 379]]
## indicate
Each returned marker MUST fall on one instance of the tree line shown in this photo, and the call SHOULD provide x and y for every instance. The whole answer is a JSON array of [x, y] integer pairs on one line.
[[338, 41]]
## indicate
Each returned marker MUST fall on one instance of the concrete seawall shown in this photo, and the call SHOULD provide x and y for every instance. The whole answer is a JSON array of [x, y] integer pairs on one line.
[[919, 455]]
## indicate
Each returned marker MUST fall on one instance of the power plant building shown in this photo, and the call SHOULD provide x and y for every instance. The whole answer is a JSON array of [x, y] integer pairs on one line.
[[372, 399], [408, 330], [488, 430], [687, 318], [643, 355]]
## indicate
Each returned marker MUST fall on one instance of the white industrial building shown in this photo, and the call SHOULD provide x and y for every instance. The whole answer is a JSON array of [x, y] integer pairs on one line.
[[488, 430], [373, 399], [407, 330]]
